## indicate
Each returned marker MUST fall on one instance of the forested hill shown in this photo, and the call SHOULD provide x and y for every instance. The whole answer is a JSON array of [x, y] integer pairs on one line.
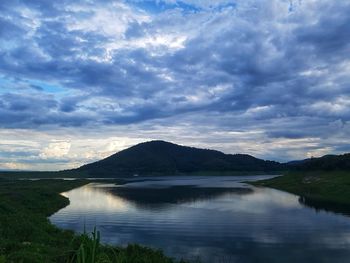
[[160, 157], [324, 163]]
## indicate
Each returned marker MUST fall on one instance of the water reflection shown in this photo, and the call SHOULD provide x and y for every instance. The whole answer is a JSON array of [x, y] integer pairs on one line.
[[95, 197], [162, 197], [229, 222], [321, 205]]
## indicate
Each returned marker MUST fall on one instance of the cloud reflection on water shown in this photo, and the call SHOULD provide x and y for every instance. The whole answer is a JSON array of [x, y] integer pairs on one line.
[[254, 225]]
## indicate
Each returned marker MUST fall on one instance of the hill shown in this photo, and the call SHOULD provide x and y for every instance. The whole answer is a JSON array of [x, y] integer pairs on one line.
[[324, 163], [160, 157]]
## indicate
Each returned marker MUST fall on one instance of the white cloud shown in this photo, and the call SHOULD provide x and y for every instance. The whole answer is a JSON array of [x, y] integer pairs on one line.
[[268, 78], [56, 150], [109, 19], [14, 166]]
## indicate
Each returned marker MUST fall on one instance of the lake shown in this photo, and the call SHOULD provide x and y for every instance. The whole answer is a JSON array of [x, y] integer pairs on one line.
[[215, 219]]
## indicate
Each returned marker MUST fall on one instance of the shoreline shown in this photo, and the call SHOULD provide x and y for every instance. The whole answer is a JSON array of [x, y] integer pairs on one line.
[[27, 235], [329, 191]]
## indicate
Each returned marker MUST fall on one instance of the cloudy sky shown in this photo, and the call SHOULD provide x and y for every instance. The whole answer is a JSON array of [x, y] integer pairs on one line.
[[82, 79]]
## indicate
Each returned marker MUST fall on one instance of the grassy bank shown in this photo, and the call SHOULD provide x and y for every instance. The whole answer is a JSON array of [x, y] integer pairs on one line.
[[26, 235], [320, 189]]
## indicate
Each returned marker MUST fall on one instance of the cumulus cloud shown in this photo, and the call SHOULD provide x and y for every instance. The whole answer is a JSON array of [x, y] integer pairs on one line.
[[56, 150], [279, 69]]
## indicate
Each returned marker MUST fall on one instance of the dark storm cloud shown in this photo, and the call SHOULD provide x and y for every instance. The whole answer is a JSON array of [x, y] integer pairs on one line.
[[263, 61], [18, 102], [329, 35], [22, 110]]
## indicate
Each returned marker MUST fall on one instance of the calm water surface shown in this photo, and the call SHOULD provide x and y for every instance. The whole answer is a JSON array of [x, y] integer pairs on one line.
[[218, 219]]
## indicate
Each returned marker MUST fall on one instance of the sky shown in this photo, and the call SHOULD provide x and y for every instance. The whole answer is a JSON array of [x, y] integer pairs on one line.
[[83, 79]]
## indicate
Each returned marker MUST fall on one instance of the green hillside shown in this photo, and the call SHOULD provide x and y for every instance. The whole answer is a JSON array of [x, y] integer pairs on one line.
[[160, 157]]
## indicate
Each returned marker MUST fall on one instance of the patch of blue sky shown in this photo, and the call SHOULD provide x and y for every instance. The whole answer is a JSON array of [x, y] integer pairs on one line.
[[8, 44], [45, 86], [161, 6], [224, 6], [5, 85], [15, 84]]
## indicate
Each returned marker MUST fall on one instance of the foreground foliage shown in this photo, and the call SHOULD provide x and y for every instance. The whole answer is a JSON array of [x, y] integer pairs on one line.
[[91, 250], [26, 235]]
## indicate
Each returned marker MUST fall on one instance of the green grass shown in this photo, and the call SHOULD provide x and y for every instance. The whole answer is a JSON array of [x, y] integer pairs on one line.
[[91, 250], [27, 236], [316, 186]]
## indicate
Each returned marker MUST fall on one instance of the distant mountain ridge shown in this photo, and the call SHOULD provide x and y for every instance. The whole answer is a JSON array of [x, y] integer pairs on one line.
[[165, 158]]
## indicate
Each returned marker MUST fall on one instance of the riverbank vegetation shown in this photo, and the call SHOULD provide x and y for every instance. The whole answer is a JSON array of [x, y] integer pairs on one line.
[[329, 190], [26, 234]]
